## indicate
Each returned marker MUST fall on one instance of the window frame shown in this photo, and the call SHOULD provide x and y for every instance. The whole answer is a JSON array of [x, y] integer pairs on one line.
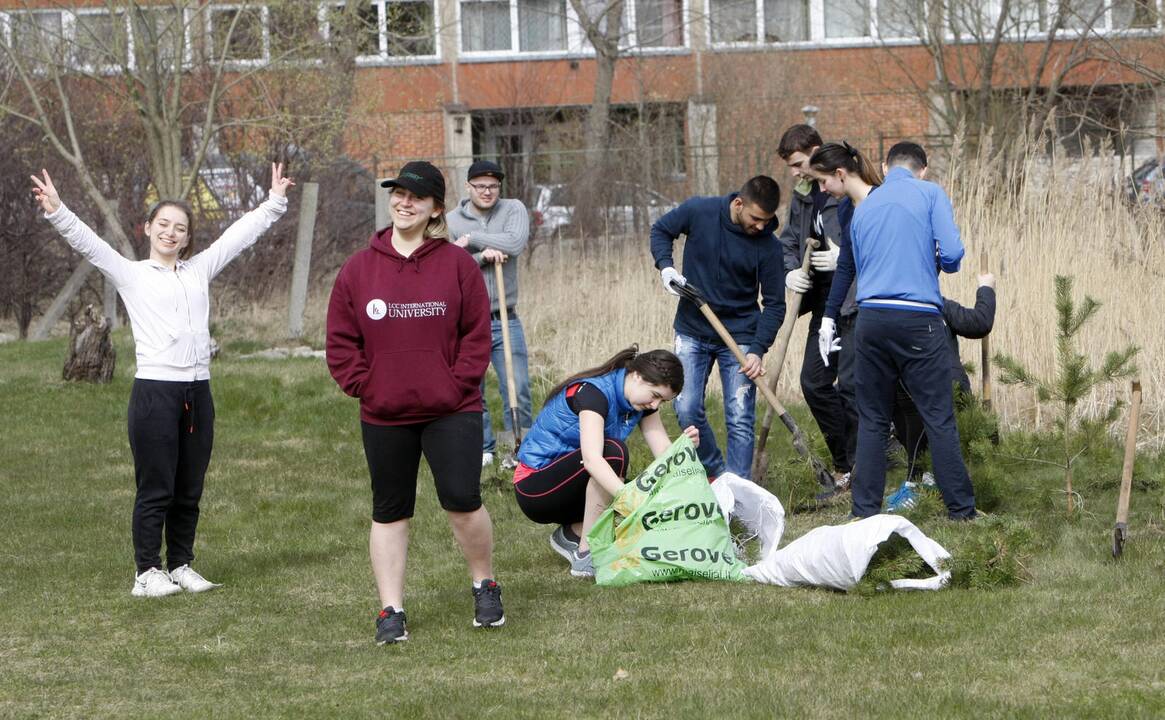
[[577, 44], [264, 31]]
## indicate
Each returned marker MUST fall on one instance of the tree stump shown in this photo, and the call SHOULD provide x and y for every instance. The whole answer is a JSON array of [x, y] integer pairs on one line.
[[91, 354]]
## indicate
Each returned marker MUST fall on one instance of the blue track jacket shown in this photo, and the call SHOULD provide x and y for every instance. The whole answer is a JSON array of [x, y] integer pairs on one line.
[[895, 235]]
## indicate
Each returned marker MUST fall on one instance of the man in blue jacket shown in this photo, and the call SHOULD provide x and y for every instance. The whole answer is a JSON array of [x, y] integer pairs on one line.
[[901, 236], [732, 257]]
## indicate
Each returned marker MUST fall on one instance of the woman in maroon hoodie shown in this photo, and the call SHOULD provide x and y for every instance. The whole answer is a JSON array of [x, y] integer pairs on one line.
[[409, 335]]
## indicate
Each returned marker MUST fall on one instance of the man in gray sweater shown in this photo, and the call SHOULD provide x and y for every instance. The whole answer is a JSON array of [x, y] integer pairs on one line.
[[494, 231]]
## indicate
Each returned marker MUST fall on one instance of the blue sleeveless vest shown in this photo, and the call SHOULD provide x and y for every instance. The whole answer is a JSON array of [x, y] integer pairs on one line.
[[556, 433]]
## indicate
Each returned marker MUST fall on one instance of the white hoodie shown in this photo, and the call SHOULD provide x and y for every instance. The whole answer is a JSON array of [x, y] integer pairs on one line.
[[169, 310]]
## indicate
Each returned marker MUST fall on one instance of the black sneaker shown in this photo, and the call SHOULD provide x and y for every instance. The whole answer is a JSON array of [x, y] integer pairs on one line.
[[487, 605], [390, 626]]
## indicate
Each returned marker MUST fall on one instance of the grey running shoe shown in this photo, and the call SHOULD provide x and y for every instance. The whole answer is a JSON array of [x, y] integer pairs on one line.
[[562, 545], [390, 626], [581, 565], [487, 605]]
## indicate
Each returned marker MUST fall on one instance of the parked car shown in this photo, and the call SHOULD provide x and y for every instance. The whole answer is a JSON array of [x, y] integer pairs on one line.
[[1147, 184], [626, 208]]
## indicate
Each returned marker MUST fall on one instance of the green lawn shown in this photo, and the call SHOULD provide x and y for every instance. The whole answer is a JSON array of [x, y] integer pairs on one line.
[[284, 526]]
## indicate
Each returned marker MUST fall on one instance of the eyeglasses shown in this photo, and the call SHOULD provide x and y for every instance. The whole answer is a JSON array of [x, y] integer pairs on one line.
[[486, 188]]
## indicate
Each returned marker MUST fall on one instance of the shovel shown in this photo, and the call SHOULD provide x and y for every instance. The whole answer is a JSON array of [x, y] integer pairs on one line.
[[1121, 532], [511, 388], [760, 457], [691, 293]]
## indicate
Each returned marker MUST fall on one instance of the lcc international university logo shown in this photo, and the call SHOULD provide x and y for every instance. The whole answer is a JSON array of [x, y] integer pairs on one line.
[[376, 309]]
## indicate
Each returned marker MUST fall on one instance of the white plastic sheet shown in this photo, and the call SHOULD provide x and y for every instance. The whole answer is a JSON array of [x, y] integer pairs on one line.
[[754, 507], [836, 556]]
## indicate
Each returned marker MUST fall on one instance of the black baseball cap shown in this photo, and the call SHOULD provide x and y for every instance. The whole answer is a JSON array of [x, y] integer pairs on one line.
[[483, 168], [421, 178]]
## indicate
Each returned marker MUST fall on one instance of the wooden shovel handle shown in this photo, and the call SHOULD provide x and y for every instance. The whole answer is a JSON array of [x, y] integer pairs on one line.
[[1122, 506]]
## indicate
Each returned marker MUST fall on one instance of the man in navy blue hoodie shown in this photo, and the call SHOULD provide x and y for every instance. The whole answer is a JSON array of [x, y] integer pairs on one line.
[[732, 256]]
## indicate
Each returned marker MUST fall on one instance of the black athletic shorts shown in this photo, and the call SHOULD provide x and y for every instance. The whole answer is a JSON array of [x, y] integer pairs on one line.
[[557, 493], [451, 445]]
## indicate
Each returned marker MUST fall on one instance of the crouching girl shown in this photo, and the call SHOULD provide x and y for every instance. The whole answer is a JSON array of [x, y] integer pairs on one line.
[[574, 459]]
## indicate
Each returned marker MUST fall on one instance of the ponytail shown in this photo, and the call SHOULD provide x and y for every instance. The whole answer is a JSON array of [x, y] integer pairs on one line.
[[831, 157], [656, 367]]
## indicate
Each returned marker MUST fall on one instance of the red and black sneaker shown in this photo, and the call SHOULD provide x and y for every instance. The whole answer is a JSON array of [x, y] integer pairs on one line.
[[390, 626], [487, 605]]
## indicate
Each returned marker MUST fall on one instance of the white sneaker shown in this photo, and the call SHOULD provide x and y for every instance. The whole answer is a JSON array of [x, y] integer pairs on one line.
[[154, 582], [191, 581], [486, 459]]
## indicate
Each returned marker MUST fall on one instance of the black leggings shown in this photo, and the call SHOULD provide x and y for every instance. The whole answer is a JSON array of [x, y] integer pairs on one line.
[[557, 493], [171, 432]]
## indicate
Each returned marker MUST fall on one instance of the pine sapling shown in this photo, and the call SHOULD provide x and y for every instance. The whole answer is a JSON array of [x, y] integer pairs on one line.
[[1074, 378]]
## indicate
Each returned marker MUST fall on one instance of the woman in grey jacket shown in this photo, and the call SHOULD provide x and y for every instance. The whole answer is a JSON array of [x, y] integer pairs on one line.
[[171, 412]]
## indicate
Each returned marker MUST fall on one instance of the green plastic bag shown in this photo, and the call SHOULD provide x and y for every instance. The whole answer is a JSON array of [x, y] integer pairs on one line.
[[665, 525]]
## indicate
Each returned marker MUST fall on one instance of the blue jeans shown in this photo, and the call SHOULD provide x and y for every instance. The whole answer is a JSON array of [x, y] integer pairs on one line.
[[697, 357], [497, 357]]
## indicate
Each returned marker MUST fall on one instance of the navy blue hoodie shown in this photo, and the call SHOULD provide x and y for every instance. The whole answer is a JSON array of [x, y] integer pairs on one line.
[[730, 267]]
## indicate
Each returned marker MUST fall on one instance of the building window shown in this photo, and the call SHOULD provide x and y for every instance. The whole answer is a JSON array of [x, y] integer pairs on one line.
[[383, 28], [541, 25], [1134, 14], [37, 35], [733, 21], [1081, 14], [410, 27], [100, 40], [237, 33], [293, 31], [901, 18], [159, 36], [786, 20], [356, 25], [846, 18], [659, 23], [485, 25]]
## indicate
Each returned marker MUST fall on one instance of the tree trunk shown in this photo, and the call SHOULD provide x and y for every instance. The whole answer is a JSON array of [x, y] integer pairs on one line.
[[91, 354]]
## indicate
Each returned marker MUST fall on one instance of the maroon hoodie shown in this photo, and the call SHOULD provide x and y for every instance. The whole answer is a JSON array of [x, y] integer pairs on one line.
[[409, 336]]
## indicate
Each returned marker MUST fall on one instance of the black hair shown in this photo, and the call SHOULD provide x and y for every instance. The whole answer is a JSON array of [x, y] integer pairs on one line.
[[656, 367], [182, 205], [799, 138], [762, 191], [843, 156], [907, 153]]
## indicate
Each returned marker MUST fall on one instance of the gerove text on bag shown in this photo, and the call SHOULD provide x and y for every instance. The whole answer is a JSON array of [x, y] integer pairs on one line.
[[647, 479]]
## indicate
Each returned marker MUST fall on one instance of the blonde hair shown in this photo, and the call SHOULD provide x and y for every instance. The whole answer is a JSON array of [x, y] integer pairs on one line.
[[437, 227]]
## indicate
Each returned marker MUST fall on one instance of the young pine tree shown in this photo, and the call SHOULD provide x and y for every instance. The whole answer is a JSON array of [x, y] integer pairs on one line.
[[1074, 378]]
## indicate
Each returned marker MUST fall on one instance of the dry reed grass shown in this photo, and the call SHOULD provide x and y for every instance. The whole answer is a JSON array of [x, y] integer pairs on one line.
[[582, 301]]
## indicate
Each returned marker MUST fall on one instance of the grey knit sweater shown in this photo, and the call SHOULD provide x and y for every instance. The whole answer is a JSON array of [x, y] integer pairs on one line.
[[505, 228]]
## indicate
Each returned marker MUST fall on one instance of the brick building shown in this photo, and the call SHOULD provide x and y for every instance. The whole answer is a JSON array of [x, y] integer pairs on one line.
[[703, 87]]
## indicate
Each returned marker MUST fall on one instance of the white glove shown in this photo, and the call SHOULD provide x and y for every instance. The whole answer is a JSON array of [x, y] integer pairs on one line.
[[827, 340], [670, 276], [825, 260], [798, 281]]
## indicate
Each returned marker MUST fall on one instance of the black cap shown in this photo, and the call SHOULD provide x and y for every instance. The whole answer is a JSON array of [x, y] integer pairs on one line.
[[485, 168], [421, 178]]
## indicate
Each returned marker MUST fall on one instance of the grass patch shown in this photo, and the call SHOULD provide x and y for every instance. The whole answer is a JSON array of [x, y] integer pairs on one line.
[[285, 525]]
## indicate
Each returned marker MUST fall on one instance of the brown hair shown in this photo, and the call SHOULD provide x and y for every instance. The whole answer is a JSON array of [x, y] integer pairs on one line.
[[799, 138], [843, 156], [188, 249], [656, 367]]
